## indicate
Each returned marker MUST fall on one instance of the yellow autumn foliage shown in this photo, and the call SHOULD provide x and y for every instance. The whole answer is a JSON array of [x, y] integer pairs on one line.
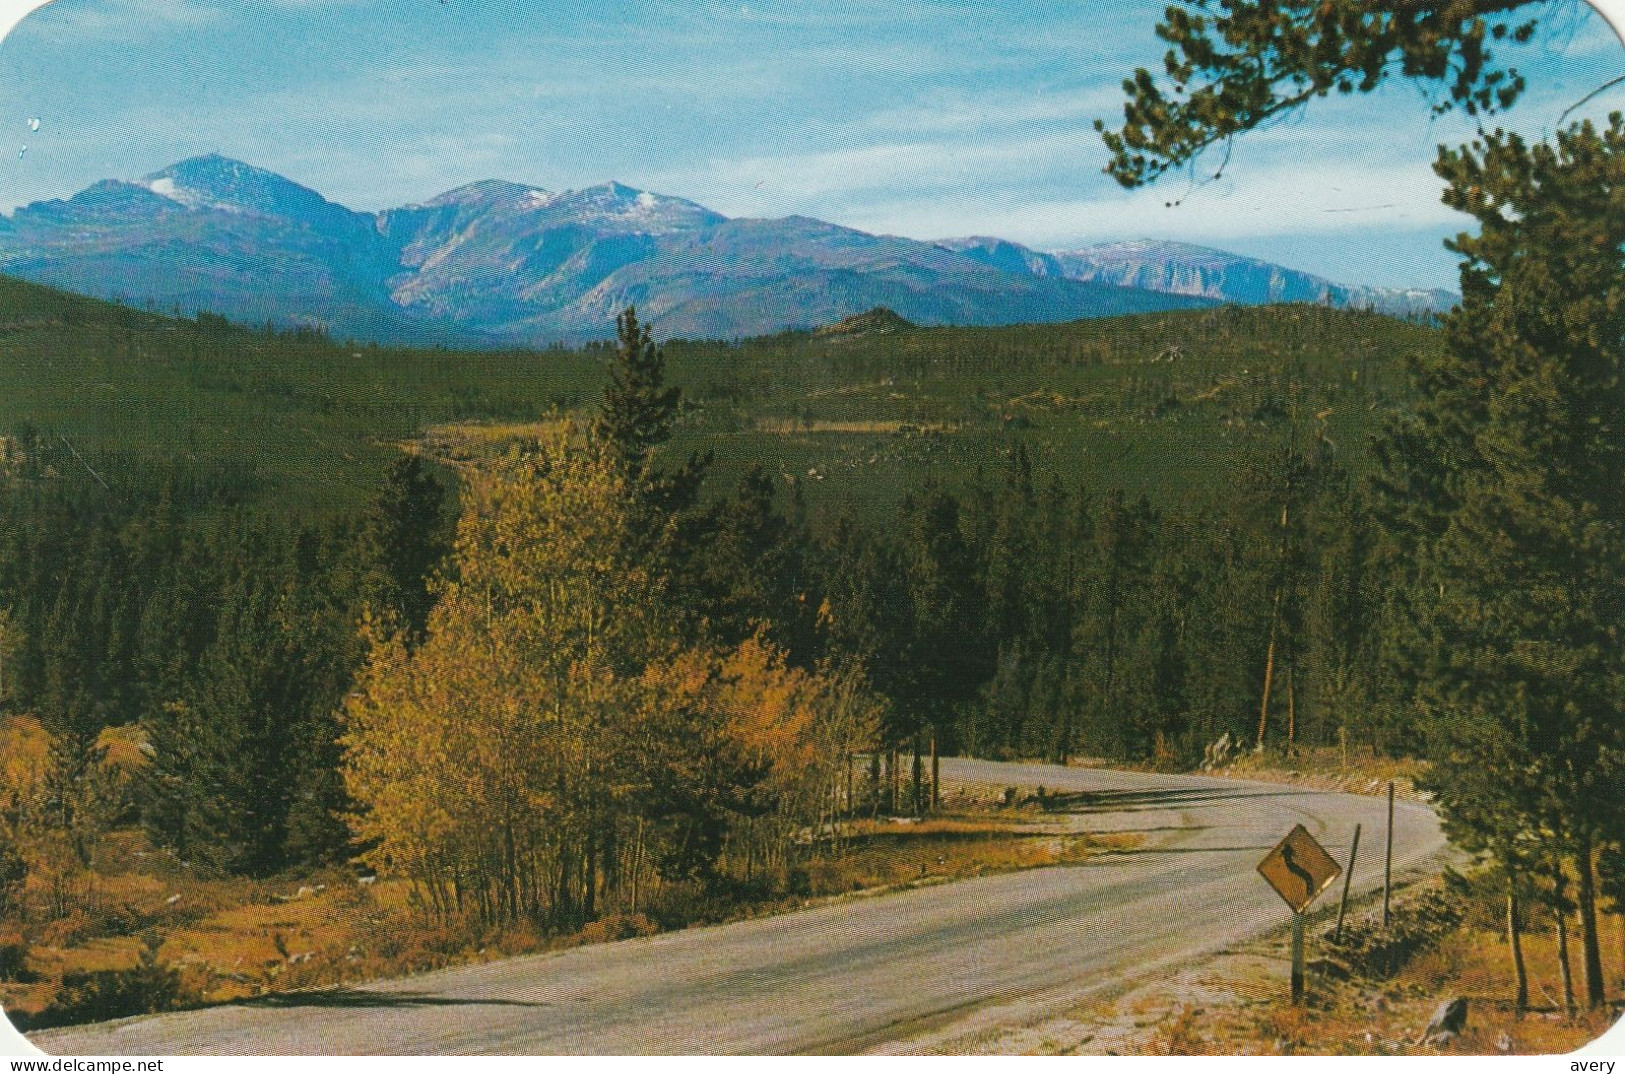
[[525, 759]]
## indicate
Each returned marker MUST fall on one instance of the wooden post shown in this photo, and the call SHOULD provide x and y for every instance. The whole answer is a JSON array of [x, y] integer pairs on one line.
[[1388, 857], [1348, 875], [1343, 741], [1297, 960]]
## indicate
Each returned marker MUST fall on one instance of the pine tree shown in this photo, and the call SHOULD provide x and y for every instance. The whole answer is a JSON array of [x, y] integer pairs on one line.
[[1236, 66], [637, 415], [1520, 546], [406, 538]]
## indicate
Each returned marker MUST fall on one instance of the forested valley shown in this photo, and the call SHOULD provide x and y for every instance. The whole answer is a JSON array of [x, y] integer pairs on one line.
[[1021, 613], [580, 652]]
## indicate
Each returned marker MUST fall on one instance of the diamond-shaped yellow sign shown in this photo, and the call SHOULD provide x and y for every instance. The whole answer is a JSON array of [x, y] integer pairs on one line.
[[1299, 869]]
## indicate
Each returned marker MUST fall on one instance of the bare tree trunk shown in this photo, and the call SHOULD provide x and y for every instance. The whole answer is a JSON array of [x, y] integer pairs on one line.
[[1269, 673], [849, 760], [919, 778], [936, 774], [1291, 710], [637, 866], [589, 874], [1560, 911], [1590, 948], [1520, 974], [1275, 606], [893, 779]]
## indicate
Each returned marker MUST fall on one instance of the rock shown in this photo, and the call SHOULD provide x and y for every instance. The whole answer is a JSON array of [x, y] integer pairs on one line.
[[1439, 1040], [1503, 1044], [172, 900], [1451, 1017]]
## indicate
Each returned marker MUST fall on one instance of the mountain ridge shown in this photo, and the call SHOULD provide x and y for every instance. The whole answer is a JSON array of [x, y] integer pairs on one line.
[[501, 262], [1186, 268]]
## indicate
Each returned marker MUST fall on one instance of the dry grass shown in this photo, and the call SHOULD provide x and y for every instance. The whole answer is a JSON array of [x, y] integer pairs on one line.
[[237, 938], [463, 443], [24, 746], [1323, 768], [796, 426], [881, 854]]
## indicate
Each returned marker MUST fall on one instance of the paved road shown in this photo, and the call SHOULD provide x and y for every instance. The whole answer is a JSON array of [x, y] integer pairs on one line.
[[864, 974]]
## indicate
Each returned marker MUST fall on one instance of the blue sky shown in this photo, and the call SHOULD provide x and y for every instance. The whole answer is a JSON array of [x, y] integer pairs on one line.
[[926, 119]]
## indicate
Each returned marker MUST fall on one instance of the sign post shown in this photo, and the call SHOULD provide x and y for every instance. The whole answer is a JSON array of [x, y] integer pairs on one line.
[[1299, 869], [1297, 959]]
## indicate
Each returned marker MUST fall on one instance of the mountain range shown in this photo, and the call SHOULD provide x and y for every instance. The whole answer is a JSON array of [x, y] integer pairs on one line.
[[500, 263], [1184, 269]]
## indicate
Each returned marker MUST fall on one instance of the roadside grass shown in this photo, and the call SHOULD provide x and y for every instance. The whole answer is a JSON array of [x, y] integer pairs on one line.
[[235, 939], [1365, 1014], [955, 846], [1362, 770]]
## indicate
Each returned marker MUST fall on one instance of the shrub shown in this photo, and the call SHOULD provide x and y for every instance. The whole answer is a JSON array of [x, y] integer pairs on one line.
[[14, 958], [613, 927], [1417, 925], [13, 875], [149, 987]]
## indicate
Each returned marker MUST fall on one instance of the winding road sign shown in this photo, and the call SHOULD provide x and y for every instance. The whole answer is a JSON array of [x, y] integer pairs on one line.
[[1299, 869]]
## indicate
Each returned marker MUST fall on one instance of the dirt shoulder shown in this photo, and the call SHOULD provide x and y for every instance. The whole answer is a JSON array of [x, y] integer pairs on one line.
[[1328, 769], [143, 934], [1237, 1002]]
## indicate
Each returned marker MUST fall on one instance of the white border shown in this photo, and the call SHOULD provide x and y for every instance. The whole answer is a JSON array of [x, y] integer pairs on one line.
[[13, 1043]]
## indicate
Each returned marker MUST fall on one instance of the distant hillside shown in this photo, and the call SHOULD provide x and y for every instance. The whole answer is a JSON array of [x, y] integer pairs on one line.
[[1179, 405], [497, 262], [1184, 269], [878, 321]]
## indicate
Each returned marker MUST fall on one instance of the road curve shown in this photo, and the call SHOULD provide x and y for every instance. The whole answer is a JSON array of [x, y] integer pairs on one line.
[[853, 975]]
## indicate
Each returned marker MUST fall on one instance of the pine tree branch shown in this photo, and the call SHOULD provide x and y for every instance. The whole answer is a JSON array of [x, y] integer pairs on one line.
[[1610, 84]]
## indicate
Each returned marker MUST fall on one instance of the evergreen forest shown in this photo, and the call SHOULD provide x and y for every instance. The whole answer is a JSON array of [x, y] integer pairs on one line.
[[539, 630]]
